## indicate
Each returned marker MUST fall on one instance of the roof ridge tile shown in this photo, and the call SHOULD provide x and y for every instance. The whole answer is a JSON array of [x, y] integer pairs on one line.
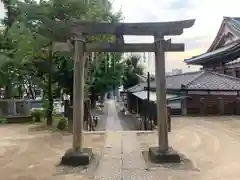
[[182, 74], [225, 75], [213, 80], [196, 78]]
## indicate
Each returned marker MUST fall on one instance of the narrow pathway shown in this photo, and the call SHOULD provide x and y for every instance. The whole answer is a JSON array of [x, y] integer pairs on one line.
[[112, 120], [122, 155]]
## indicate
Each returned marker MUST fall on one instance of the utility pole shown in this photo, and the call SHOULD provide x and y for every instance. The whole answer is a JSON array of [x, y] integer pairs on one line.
[[148, 94]]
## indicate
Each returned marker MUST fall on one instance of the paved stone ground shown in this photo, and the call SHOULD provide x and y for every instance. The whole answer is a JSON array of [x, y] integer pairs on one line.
[[122, 157], [211, 146], [130, 122], [112, 121]]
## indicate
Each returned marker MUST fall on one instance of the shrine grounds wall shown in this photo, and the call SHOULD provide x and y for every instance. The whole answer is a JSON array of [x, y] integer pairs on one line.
[[212, 105]]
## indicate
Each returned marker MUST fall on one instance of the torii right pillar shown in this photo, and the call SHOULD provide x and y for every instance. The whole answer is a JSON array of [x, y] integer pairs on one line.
[[163, 153]]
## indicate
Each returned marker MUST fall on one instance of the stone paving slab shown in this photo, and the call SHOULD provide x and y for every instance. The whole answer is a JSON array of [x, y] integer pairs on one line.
[[110, 166], [109, 169], [157, 175], [115, 161], [132, 155]]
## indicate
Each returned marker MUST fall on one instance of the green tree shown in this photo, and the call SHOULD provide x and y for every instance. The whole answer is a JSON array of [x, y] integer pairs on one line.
[[106, 71], [132, 71], [8, 48], [48, 22]]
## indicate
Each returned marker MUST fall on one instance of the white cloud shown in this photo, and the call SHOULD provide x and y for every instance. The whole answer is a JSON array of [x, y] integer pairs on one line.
[[208, 15]]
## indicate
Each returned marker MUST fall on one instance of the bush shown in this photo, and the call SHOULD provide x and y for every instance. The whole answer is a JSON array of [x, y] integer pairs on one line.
[[62, 124], [37, 115], [3, 120]]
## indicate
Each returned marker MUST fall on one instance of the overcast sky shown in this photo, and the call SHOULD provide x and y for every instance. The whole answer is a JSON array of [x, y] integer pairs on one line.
[[208, 15]]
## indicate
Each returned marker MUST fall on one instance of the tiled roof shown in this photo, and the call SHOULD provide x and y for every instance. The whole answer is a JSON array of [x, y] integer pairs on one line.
[[137, 88], [235, 21], [141, 78], [203, 80], [236, 61], [225, 51], [140, 86], [214, 81], [229, 24], [225, 46], [176, 81]]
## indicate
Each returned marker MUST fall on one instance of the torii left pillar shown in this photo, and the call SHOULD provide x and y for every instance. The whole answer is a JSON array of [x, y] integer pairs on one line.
[[77, 155]]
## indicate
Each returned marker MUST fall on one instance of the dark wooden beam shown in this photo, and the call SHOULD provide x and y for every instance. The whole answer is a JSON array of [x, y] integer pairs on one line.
[[105, 47], [165, 28], [101, 47]]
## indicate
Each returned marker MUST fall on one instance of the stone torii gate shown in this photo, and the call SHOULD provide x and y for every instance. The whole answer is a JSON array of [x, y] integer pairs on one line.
[[163, 153]]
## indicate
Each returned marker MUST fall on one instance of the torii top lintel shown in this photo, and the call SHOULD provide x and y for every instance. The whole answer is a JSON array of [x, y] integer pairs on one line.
[[163, 28]]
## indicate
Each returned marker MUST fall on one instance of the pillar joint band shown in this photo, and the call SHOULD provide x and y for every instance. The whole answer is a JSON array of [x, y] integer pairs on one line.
[[80, 38]]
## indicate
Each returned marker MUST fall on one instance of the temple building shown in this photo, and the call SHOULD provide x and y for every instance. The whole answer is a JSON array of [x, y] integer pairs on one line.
[[214, 90], [223, 56]]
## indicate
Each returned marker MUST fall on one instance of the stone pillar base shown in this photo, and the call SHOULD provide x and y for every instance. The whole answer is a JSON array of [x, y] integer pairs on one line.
[[158, 156], [72, 158]]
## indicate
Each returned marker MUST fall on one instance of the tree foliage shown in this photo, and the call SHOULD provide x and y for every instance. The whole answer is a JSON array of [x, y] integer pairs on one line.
[[133, 70], [29, 64], [27, 60]]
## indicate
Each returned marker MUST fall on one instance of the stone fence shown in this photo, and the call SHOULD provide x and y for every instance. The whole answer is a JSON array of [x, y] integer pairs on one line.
[[16, 107]]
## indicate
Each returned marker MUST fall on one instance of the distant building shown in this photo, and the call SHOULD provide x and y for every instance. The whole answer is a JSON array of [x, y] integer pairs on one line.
[[200, 93], [168, 73], [174, 72]]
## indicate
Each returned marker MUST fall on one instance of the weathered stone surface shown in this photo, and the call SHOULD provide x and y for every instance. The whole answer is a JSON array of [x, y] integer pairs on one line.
[[132, 155], [72, 158], [109, 169], [169, 156], [110, 166]]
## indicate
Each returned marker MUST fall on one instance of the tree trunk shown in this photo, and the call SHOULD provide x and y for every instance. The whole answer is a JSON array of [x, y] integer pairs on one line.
[[49, 91], [20, 91], [8, 90], [93, 99], [31, 90], [58, 92]]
